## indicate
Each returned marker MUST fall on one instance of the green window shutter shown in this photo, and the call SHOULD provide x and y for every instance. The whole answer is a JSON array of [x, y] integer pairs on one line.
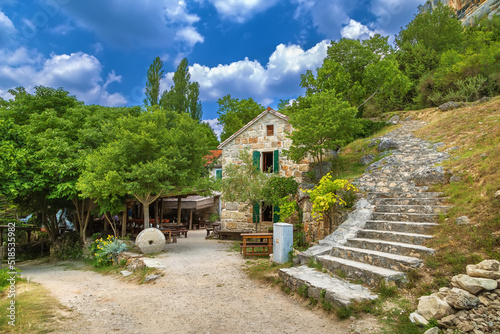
[[218, 174], [276, 161], [256, 213], [256, 159], [276, 214]]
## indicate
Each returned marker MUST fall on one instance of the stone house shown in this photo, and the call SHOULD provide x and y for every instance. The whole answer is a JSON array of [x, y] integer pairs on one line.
[[266, 138]]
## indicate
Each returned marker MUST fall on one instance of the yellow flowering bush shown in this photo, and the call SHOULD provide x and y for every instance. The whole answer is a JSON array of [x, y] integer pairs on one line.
[[104, 252], [328, 193]]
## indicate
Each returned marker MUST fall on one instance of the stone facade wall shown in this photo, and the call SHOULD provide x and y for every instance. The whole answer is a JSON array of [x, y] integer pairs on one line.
[[235, 216]]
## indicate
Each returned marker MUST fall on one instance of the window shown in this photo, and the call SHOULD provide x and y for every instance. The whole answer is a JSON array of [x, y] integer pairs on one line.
[[267, 162], [270, 130], [267, 213]]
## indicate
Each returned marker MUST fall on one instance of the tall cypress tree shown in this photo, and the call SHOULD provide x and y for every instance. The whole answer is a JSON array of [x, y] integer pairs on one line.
[[183, 95], [155, 73]]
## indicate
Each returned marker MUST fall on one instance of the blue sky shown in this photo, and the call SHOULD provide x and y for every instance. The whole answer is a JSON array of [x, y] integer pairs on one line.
[[100, 50]]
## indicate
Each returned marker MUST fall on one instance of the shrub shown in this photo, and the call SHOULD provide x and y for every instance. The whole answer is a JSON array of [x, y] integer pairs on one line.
[[105, 251]]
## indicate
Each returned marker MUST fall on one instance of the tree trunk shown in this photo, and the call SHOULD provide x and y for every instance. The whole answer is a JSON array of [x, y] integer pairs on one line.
[[191, 219], [146, 215], [146, 200]]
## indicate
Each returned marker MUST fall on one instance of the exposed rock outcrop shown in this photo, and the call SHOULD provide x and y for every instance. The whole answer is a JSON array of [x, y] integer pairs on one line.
[[467, 10]]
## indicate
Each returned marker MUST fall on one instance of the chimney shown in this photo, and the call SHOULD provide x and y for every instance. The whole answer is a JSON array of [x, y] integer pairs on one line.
[[268, 108]]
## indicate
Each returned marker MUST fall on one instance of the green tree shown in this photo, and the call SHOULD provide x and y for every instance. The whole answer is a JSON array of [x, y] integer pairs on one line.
[[209, 136], [235, 113], [322, 122], [244, 183], [49, 134], [183, 96], [437, 30], [155, 73], [152, 154], [360, 72]]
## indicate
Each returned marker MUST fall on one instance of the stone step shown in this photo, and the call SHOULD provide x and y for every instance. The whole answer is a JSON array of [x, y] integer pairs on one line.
[[406, 217], [371, 195], [376, 258], [388, 189], [409, 201], [406, 227], [431, 209], [408, 238], [370, 275], [337, 291], [391, 247]]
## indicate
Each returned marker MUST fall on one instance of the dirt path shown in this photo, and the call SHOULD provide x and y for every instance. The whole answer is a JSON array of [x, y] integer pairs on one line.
[[203, 290]]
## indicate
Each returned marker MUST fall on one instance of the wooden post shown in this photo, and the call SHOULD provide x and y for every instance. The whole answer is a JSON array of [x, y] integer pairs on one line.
[[161, 209], [156, 211], [191, 219], [179, 208]]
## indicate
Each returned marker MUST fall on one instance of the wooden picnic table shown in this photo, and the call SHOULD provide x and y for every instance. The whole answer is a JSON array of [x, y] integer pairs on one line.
[[257, 243]]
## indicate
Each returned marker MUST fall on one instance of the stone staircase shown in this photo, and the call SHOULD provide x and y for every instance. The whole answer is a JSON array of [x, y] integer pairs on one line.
[[384, 237]]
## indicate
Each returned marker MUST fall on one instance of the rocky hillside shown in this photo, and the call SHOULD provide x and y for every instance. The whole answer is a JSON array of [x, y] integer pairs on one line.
[[467, 10]]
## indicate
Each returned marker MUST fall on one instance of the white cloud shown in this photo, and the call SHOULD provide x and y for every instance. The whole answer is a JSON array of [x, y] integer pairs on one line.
[[128, 23], [248, 78], [214, 123], [356, 30], [241, 10], [78, 73], [329, 17], [7, 29], [189, 35]]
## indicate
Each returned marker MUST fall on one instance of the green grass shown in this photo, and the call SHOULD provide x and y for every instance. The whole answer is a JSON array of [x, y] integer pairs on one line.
[[36, 311]]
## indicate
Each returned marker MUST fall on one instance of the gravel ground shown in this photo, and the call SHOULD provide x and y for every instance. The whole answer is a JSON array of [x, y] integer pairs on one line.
[[203, 290]]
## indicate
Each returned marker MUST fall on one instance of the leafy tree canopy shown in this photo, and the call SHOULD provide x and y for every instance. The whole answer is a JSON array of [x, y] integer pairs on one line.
[[183, 96], [322, 123], [155, 73], [235, 113], [150, 155]]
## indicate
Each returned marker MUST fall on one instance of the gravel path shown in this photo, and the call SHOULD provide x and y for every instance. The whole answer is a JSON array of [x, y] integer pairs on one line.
[[203, 290]]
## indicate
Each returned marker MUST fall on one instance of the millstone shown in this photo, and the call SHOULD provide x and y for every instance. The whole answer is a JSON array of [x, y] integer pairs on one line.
[[150, 240]]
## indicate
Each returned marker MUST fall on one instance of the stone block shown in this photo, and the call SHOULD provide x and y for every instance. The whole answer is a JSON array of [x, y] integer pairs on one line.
[[433, 307], [253, 140], [474, 284]]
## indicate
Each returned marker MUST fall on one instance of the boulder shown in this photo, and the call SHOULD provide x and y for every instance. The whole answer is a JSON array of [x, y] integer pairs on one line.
[[461, 299], [151, 278], [463, 220], [474, 284], [394, 120], [366, 159], [433, 307], [429, 176], [417, 318], [433, 330], [486, 269], [450, 105], [386, 144]]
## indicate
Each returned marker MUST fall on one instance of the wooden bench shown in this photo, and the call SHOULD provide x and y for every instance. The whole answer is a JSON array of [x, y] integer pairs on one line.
[[257, 244], [184, 231], [252, 248], [231, 235]]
